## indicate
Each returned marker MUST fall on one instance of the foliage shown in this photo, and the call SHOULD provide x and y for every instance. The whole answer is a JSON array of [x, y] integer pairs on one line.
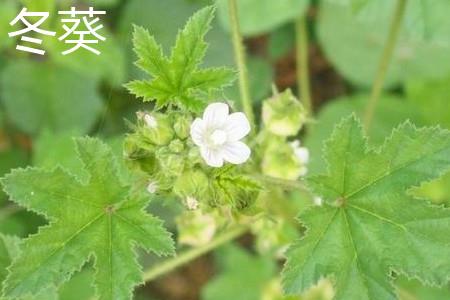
[[351, 43], [372, 211], [184, 85], [97, 218], [363, 192], [45, 83]]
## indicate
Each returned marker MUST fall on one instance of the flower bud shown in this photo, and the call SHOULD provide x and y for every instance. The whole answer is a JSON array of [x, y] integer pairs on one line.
[[192, 184], [280, 161], [157, 128], [176, 146], [139, 155], [182, 126], [196, 228], [171, 164], [283, 114]]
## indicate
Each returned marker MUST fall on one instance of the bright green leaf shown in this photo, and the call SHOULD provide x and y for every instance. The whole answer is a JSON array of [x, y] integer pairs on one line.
[[9, 249], [176, 80], [97, 218], [391, 111], [369, 225]]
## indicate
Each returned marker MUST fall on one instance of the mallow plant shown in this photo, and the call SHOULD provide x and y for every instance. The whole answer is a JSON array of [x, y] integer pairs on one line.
[[233, 173]]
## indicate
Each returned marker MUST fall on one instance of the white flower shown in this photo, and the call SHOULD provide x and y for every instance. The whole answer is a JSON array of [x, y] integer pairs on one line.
[[191, 203], [152, 187], [302, 155], [218, 135]]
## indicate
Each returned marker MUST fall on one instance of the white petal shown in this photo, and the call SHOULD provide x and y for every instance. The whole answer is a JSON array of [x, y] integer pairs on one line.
[[198, 131], [237, 126], [213, 158], [302, 155], [215, 115], [236, 152], [295, 144]]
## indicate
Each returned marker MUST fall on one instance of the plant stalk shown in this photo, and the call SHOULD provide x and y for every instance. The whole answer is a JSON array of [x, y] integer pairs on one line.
[[302, 55], [383, 66], [171, 264], [288, 184], [240, 57]]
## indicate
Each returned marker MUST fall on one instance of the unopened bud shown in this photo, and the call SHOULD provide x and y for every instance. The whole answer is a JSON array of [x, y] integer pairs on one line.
[[158, 128], [283, 114], [182, 126]]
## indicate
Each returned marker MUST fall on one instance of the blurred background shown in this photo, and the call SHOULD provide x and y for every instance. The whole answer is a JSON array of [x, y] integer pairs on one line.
[[46, 100]]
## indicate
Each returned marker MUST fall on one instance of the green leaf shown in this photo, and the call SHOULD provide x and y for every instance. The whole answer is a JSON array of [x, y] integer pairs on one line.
[[9, 249], [369, 225], [41, 95], [391, 111], [261, 16], [354, 47], [9, 246], [243, 276], [97, 218], [413, 289], [164, 18], [177, 80]]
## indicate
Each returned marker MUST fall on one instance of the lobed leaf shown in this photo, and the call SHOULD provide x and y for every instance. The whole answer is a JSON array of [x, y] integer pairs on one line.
[[178, 80], [96, 218], [369, 226]]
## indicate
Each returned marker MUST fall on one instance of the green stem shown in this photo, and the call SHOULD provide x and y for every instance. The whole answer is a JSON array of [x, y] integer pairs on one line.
[[239, 53], [171, 264], [302, 55], [384, 62], [289, 184]]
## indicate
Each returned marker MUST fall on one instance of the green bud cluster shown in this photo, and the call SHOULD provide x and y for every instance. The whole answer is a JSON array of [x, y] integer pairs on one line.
[[160, 147], [283, 114]]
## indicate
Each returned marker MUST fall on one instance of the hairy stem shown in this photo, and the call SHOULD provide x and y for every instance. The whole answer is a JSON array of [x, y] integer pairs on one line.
[[189, 255], [239, 53], [302, 54], [384, 62]]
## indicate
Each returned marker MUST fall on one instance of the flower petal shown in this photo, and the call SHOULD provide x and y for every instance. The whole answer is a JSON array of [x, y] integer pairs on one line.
[[198, 131], [302, 155], [236, 152], [237, 126], [213, 158], [216, 114]]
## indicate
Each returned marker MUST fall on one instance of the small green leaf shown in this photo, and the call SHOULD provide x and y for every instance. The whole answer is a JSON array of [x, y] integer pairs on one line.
[[369, 225], [97, 218], [177, 80]]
